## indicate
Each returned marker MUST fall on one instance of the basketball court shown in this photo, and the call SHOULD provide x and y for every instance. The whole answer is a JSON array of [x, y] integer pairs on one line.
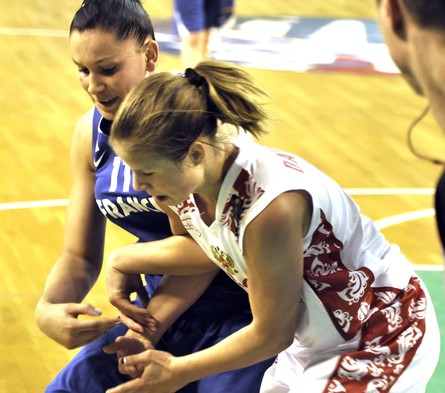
[[337, 101]]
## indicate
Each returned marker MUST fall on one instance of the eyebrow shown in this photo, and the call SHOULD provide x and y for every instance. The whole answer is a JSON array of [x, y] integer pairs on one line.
[[103, 60]]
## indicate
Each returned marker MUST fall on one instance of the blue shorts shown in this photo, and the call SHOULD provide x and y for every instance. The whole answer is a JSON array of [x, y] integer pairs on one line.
[[207, 322], [191, 16]]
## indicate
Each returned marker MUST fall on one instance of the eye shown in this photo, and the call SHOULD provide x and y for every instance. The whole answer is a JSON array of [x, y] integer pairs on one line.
[[141, 173], [109, 70], [84, 71]]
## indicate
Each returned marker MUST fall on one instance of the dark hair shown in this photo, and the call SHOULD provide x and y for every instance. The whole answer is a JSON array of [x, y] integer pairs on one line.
[[427, 13], [167, 112], [123, 18]]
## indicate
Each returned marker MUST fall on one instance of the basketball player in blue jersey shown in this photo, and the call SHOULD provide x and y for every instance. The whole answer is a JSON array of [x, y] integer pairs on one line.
[[114, 48], [194, 20]]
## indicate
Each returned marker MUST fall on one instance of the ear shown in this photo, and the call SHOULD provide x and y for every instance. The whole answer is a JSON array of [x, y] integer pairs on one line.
[[396, 17], [196, 153], [151, 52]]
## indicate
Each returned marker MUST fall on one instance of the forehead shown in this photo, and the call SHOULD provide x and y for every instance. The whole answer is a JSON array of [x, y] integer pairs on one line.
[[137, 159], [97, 45], [140, 160]]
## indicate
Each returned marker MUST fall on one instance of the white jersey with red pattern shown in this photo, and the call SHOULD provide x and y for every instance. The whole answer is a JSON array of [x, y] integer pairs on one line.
[[360, 302]]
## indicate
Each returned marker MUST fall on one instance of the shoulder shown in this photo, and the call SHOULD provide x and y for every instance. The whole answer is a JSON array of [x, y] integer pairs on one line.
[[288, 209], [82, 139], [84, 125]]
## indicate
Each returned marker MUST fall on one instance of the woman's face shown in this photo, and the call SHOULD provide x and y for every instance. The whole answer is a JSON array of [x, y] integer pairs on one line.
[[168, 182], [108, 68]]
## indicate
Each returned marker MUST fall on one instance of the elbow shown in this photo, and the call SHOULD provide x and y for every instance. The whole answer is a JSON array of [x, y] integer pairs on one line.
[[115, 261], [38, 316], [277, 339], [113, 258], [284, 340]]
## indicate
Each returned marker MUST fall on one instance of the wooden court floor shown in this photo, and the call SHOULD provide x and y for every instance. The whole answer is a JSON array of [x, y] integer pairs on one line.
[[352, 126]]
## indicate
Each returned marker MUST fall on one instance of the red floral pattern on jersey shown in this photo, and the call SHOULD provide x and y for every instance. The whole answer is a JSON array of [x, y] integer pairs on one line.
[[391, 321], [185, 207], [350, 305], [247, 191], [388, 344]]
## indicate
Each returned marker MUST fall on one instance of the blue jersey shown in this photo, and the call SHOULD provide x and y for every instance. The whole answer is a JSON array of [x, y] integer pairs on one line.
[[114, 192]]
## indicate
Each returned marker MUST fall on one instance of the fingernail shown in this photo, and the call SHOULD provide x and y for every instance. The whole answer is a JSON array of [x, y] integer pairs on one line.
[[97, 311], [124, 360]]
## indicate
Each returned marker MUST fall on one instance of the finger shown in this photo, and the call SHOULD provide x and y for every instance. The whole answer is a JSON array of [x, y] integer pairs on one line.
[[143, 295], [139, 361], [132, 371], [133, 386], [119, 345], [138, 315], [132, 324], [98, 325], [77, 309], [111, 349], [126, 345], [127, 307]]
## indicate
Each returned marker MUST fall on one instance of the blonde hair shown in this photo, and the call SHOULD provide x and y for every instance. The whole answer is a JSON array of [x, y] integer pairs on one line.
[[167, 112]]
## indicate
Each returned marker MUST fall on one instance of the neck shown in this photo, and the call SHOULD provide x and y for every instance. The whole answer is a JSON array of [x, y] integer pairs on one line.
[[219, 162]]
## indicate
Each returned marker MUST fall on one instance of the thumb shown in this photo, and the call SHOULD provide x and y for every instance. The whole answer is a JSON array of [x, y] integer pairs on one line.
[[76, 309], [90, 310], [129, 386]]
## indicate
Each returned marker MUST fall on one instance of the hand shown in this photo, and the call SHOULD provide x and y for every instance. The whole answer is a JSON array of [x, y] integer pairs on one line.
[[158, 374], [120, 286], [61, 323], [130, 344]]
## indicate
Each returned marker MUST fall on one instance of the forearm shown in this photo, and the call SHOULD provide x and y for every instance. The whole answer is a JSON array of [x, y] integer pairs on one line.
[[174, 296], [70, 280], [175, 255], [248, 346]]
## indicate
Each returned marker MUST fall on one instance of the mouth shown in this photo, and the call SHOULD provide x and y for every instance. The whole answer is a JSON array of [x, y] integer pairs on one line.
[[107, 103]]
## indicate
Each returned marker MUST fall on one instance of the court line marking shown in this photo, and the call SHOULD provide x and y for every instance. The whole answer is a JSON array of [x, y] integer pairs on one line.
[[381, 223], [350, 191], [34, 32], [33, 204], [404, 217], [58, 33]]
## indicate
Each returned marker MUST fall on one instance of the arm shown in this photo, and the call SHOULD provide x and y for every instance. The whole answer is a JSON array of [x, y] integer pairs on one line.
[[79, 265], [192, 273], [173, 296], [273, 249], [179, 256]]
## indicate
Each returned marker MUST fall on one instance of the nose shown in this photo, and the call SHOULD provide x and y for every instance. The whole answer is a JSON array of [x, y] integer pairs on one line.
[[95, 83], [139, 184]]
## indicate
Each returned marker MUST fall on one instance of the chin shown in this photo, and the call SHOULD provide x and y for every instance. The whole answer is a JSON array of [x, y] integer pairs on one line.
[[107, 115], [413, 82]]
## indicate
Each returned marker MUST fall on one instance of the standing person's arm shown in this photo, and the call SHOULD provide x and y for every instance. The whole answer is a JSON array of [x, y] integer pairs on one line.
[[79, 265], [273, 248]]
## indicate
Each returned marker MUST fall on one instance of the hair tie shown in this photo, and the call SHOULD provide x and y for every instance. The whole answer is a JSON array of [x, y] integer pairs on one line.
[[194, 78]]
